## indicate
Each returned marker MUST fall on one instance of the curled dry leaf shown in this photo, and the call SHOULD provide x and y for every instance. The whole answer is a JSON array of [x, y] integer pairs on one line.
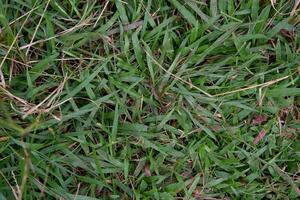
[[259, 119], [260, 136]]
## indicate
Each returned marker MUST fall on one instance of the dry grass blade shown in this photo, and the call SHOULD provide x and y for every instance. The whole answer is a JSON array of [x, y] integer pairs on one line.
[[2, 80], [296, 5], [66, 59], [266, 84], [106, 4], [129, 27], [13, 97], [15, 193], [149, 99], [178, 78], [273, 2], [80, 25], [259, 137], [25, 14], [31, 108], [53, 95], [10, 48], [37, 27]]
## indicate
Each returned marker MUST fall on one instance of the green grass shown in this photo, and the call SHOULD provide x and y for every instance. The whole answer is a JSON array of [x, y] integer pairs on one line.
[[149, 99]]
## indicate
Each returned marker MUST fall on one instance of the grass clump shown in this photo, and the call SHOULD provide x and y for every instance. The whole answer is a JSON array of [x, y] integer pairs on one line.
[[149, 99]]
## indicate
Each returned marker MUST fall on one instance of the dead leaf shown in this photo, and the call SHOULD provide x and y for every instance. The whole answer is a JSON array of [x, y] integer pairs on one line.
[[288, 34], [3, 138], [153, 91], [283, 114], [259, 119], [147, 170], [197, 192], [290, 133], [297, 2], [259, 137]]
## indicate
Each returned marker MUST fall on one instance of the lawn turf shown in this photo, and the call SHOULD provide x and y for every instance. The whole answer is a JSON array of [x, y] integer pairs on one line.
[[149, 99]]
